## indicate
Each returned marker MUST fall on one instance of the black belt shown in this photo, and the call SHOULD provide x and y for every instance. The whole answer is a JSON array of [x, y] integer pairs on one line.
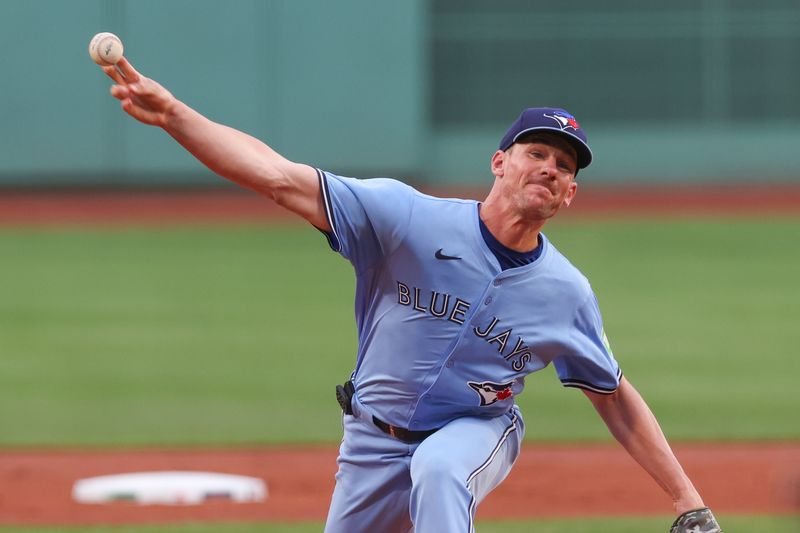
[[403, 434], [344, 395]]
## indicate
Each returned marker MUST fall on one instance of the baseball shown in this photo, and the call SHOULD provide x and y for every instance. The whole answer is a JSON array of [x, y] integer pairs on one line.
[[105, 49]]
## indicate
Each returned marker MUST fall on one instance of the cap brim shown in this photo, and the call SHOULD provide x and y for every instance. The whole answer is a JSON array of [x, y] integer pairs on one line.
[[581, 148]]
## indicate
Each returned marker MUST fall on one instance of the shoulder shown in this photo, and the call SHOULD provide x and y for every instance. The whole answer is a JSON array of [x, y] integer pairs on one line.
[[388, 184], [563, 271], [374, 197], [375, 185], [385, 191], [446, 208]]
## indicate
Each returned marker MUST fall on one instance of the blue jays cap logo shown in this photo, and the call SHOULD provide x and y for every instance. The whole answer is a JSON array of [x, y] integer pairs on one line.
[[564, 120], [552, 119]]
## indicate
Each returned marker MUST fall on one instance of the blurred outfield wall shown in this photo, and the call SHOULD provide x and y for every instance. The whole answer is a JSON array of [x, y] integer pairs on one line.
[[685, 90]]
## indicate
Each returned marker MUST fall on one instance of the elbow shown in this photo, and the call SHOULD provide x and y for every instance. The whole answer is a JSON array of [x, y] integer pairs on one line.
[[273, 182], [279, 188]]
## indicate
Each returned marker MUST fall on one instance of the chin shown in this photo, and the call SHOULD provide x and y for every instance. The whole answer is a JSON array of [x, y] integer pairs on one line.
[[540, 211], [542, 202]]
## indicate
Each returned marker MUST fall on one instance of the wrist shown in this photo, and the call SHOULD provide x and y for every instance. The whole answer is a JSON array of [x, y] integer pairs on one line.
[[174, 114], [689, 503]]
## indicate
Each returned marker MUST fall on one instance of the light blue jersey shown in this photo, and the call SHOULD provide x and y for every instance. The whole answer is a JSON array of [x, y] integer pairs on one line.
[[443, 332], [445, 340]]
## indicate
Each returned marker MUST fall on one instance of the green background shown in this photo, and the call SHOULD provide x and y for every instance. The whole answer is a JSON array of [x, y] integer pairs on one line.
[[686, 90]]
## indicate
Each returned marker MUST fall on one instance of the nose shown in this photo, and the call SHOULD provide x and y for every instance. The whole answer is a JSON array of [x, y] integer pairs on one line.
[[550, 167]]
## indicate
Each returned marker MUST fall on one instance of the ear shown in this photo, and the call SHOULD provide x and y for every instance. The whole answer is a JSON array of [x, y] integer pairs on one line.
[[571, 192], [498, 159]]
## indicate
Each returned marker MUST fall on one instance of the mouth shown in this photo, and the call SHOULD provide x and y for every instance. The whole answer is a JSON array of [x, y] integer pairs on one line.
[[536, 185]]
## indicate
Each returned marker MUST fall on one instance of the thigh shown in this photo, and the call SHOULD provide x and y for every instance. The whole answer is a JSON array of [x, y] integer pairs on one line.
[[465, 460], [373, 483]]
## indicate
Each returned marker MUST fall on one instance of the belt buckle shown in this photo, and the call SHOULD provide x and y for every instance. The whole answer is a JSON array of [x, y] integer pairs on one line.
[[392, 431]]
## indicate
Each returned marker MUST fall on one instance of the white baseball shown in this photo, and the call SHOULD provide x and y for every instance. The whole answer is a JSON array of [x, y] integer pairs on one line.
[[105, 49]]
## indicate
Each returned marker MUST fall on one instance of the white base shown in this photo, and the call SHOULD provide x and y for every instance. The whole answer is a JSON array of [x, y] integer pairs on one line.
[[169, 488]]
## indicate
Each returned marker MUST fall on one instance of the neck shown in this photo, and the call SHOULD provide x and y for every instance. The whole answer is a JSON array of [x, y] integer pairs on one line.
[[510, 228]]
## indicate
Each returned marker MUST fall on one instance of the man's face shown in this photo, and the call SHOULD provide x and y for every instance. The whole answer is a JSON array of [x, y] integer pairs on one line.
[[537, 175]]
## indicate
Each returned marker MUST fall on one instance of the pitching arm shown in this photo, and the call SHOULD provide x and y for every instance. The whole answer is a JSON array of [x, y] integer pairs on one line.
[[633, 424], [228, 152]]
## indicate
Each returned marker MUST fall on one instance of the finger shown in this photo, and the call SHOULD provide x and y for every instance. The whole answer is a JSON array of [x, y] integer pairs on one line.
[[140, 95], [139, 113], [130, 73], [148, 94], [120, 92], [114, 74], [130, 98]]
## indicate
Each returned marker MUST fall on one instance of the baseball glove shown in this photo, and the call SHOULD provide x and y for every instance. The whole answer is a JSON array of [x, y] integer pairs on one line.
[[697, 521]]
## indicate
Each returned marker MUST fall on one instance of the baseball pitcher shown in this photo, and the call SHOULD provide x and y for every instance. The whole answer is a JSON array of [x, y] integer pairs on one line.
[[456, 302]]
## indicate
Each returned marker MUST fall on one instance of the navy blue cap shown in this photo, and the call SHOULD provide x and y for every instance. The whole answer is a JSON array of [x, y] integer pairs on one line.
[[554, 120]]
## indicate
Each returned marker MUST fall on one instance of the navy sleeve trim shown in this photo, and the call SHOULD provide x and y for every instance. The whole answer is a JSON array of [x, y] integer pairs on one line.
[[580, 384], [333, 238]]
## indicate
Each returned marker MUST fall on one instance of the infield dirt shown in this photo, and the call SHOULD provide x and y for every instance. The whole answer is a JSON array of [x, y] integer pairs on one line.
[[547, 481]]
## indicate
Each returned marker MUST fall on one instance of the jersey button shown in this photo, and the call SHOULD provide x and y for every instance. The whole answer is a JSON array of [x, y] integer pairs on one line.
[[449, 364], [488, 300], [496, 283]]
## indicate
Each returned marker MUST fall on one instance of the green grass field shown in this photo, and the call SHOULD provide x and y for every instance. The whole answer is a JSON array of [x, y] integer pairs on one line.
[[236, 335]]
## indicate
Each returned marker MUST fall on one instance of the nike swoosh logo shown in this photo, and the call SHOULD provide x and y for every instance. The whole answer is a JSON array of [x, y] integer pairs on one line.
[[440, 255]]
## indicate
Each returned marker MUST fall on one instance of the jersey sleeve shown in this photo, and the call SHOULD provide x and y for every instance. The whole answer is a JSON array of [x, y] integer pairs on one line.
[[588, 363], [368, 217]]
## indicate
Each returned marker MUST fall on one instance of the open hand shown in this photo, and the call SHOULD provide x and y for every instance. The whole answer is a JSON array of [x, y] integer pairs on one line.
[[142, 98]]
